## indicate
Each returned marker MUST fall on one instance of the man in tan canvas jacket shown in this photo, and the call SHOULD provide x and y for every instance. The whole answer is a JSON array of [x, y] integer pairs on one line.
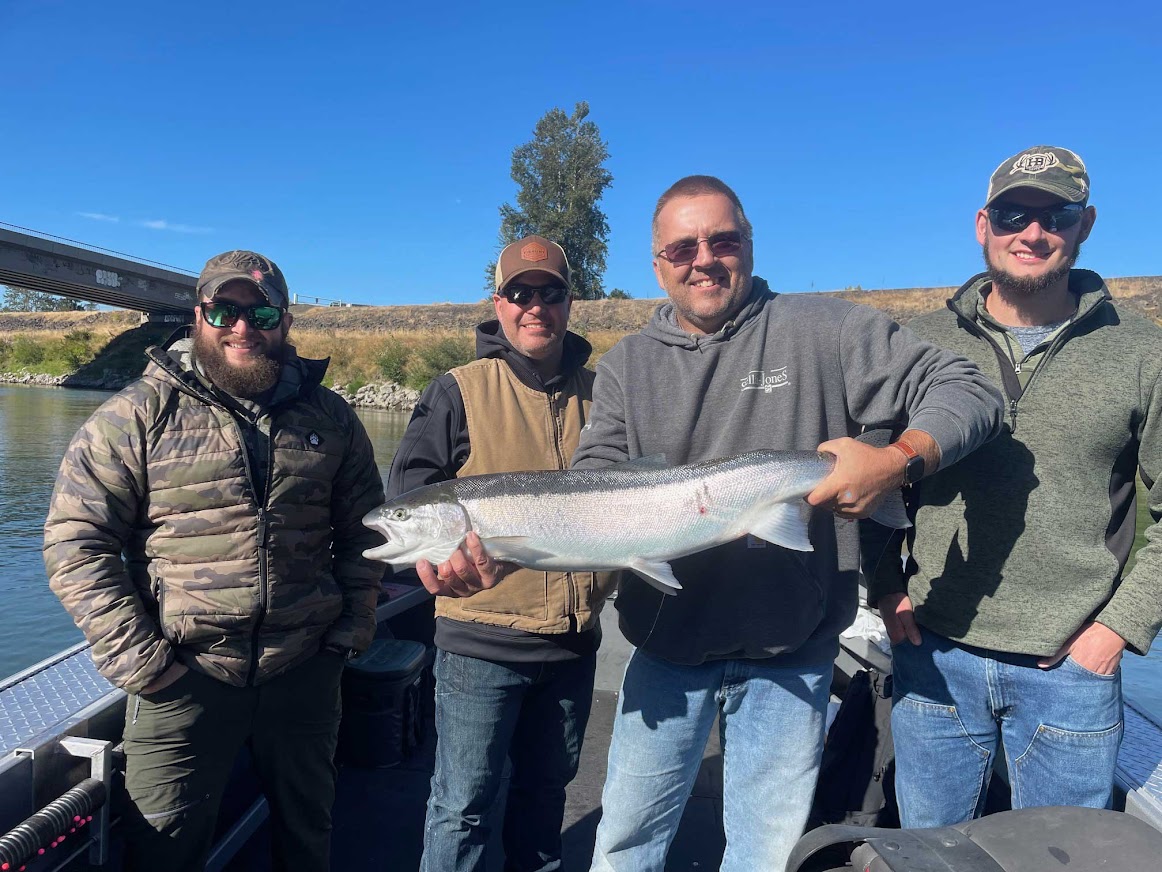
[[515, 663], [205, 534]]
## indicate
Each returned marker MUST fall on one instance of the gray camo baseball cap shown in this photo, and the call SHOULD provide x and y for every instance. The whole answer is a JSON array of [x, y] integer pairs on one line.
[[247, 266], [1049, 168]]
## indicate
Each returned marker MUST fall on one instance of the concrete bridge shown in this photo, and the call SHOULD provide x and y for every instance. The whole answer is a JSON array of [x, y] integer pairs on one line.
[[41, 264]]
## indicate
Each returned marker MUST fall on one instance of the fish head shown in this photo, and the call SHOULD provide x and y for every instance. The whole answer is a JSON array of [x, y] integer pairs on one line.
[[419, 527]]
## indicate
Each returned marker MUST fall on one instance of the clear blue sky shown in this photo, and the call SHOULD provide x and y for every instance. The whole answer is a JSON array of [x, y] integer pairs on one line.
[[366, 146]]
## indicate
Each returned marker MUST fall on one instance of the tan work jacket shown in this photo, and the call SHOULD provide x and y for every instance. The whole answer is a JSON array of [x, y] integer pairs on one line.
[[512, 428]]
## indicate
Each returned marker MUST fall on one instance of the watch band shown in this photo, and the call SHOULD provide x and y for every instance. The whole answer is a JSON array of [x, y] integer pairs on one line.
[[914, 464]]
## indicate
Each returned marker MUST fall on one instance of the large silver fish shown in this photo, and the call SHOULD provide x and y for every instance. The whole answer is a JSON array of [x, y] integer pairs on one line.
[[637, 515]]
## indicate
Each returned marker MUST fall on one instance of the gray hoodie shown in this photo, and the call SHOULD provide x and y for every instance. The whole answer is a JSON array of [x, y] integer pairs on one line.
[[789, 372]]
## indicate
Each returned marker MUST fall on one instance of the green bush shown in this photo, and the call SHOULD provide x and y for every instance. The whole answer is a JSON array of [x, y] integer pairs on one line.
[[392, 360], [76, 349], [436, 358], [355, 384], [26, 352]]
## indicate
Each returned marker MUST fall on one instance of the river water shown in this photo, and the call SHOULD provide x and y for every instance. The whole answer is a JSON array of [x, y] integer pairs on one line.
[[36, 425]]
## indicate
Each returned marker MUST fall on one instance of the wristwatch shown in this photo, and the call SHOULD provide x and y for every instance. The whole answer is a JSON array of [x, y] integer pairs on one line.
[[914, 468]]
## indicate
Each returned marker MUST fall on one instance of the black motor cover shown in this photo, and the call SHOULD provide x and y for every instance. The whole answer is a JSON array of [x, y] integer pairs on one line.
[[1025, 840]]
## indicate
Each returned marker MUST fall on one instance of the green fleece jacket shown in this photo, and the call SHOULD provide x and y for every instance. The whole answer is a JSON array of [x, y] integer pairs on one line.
[[1022, 542]]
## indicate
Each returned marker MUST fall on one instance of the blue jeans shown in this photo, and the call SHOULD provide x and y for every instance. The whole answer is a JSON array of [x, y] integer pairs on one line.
[[532, 713], [1061, 729], [771, 722]]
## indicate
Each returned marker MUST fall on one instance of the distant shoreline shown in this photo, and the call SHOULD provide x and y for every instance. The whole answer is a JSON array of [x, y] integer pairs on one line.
[[372, 348]]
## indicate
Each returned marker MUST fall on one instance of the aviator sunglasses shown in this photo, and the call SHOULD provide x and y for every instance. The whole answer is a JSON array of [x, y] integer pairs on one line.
[[1012, 218], [225, 315], [522, 295], [686, 250]]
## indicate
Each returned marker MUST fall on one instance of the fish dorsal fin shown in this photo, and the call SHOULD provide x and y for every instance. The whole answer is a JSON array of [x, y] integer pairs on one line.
[[784, 524], [652, 461], [656, 574]]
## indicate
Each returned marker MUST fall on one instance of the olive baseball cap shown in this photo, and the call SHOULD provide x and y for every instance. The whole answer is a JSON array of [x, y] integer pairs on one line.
[[1057, 171], [247, 266], [531, 254]]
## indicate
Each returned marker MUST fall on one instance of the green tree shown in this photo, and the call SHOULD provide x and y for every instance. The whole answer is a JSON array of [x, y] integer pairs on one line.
[[560, 180], [24, 300], [619, 294]]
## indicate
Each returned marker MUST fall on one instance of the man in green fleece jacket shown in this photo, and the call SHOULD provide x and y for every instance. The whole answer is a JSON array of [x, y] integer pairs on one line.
[[1010, 620]]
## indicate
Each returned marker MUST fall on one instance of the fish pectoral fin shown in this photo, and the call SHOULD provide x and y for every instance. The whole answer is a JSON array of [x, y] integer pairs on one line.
[[785, 524], [515, 549], [892, 511], [658, 575]]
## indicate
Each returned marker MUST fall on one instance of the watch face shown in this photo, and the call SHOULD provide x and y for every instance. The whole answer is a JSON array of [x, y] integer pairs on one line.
[[914, 471]]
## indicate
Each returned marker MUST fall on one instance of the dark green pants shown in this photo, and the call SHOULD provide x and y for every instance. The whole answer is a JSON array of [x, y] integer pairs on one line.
[[180, 748]]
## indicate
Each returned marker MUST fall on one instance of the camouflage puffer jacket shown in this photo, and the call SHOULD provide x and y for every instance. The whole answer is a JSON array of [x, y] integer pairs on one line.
[[157, 546]]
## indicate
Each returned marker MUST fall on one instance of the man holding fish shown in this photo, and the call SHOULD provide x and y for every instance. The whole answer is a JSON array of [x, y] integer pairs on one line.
[[514, 664], [725, 367]]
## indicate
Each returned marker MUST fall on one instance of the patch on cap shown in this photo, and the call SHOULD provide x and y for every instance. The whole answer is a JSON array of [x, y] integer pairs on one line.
[[1034, 163], [531, 254]]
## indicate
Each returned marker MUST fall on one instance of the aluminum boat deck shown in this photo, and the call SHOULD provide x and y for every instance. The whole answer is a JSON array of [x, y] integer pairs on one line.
[[379, 812]]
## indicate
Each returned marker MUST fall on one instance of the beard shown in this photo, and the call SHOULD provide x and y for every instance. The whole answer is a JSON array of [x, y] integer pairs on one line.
[[246, 381], [1029, 286]]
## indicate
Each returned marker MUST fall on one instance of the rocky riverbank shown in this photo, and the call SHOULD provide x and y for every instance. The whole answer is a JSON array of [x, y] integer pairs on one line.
[[387, 395], [108, 381], [39, 379]]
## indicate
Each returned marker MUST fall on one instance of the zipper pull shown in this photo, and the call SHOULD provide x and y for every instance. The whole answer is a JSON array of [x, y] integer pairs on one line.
[[1013, 415], [1017, 367], [262, 528]]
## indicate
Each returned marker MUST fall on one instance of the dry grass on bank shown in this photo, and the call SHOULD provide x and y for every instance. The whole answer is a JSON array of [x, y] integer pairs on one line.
[[409, 357], [412, 344]]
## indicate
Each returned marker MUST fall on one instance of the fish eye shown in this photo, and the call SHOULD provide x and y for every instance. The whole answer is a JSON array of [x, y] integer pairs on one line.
[[399, 515]]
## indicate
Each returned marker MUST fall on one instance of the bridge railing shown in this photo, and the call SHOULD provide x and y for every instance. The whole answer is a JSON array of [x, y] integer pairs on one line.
[[318, 301]]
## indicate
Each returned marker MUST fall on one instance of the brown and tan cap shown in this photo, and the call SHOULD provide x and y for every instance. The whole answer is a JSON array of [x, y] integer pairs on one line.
[[247, 266], [1049, 168], [531, 254]]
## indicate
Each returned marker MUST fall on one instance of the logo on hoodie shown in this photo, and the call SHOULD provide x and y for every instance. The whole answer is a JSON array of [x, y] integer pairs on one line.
[[764, 380]]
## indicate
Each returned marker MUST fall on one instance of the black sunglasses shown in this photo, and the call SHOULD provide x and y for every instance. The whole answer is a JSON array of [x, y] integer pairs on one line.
[[223, 315], [686, 250], [1012, 218], [522, 295]]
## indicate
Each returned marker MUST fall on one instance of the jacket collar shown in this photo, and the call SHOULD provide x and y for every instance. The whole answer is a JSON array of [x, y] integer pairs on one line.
[[174, 358], [664, 325], [1088, 286]]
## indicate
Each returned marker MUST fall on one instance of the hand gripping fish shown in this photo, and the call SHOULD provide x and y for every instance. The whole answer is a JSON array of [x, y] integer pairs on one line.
[[637, 515]]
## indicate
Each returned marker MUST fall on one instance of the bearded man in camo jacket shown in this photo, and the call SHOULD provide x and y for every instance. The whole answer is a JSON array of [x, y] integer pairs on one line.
[[205, 534]]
